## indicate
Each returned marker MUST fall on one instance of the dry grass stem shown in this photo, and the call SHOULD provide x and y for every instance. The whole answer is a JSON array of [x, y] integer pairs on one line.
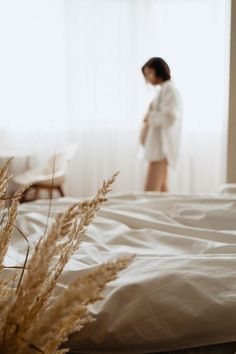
[[32, 318]]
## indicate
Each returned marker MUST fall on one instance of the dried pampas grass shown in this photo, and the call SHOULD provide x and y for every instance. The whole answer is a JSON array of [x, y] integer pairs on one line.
[[32, 319]]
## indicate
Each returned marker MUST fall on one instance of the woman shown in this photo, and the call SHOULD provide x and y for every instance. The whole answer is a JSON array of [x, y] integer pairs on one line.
[[162, 123]]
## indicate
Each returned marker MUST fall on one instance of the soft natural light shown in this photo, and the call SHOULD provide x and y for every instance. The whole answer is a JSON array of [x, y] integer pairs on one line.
[[71, 72]]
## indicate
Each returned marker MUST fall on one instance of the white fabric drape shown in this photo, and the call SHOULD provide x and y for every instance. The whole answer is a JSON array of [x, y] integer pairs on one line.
[[33, 85], [82, 82], [108, 43]]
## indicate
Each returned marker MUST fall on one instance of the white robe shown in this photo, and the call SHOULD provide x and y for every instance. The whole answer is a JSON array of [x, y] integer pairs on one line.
[[164, 119]]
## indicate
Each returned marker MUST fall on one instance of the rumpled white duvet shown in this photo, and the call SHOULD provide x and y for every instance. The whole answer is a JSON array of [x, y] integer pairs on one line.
[[178, 292]]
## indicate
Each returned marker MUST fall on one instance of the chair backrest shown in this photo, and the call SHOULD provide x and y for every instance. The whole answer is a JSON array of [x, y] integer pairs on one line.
[[59, 162]]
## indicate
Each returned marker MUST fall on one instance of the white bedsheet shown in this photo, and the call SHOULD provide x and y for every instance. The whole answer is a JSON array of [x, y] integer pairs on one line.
[[180, 290]]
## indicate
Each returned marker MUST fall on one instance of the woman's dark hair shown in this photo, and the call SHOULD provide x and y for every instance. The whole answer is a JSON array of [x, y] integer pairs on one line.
[[160, 67]]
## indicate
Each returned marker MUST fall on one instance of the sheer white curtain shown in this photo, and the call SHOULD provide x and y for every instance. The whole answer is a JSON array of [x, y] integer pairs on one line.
[[70, 71], [108, 41], [33, 84]]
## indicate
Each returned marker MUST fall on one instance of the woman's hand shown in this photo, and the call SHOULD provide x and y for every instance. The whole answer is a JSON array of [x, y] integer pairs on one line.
[[145, 120]]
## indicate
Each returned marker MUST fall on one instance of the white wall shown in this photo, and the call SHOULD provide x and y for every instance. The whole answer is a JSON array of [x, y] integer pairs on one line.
[[231, 167]]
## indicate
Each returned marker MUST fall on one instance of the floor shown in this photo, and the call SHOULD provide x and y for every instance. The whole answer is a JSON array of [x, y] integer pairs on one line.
[[229, 348]]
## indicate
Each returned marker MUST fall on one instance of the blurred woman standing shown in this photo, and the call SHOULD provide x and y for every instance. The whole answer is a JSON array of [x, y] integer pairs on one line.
[[160, 135]]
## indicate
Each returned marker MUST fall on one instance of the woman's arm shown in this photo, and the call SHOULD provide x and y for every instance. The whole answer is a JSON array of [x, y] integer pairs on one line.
[[170, 105]]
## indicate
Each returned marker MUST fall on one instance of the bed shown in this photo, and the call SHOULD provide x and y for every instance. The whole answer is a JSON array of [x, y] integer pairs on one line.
[[179, 293]]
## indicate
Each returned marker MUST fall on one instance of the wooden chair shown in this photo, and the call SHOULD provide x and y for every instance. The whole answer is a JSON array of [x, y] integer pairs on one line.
[[49, 176]]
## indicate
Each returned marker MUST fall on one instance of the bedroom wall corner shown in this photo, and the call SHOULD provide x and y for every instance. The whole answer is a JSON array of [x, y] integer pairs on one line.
[[231, 156]]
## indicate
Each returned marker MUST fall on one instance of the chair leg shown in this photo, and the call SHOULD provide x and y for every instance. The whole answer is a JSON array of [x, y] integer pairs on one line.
[[36, 192], [60, 190], [23, 199], [50, 192]]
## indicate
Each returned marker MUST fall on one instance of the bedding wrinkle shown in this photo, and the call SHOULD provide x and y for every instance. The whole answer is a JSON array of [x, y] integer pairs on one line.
[[179, 291]]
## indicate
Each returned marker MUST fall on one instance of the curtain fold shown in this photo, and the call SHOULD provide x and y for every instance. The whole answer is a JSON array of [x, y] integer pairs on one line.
[[108, 42], [33, 71], [70, 72]]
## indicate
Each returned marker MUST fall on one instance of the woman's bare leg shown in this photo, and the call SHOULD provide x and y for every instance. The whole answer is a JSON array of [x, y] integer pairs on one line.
[[164, 170], [151, 179], [157, 176]]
